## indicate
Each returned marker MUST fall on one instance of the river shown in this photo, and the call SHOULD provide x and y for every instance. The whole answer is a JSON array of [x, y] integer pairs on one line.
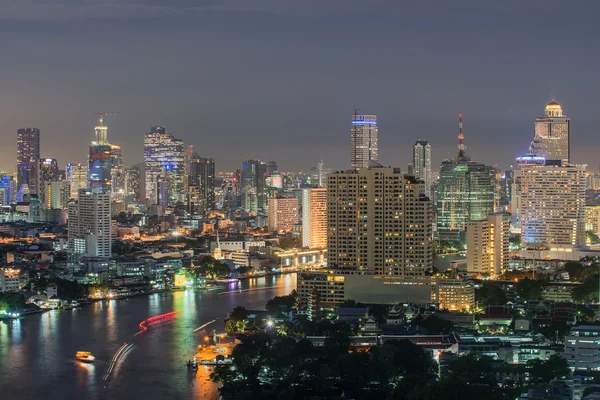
[[37, 351]]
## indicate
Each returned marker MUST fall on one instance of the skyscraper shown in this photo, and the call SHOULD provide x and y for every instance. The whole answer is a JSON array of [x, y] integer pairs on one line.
[[117, 173], [28, 156], [164, 166], [253, 185], [465, 192], [552, 135], [364, 146], [100, 159], [422, 164], [133, 183], [89, 224], [314, 218], [552, 203], [201, 185], [77, 176], [379, 221]]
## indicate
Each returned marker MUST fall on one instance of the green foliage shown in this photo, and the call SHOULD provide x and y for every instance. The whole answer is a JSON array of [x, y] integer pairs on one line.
[[435, 325], [289, 243], [553, 368], [11, 301], [587, 291], [591, 237], [283, 303], [233, 327], [579, 272], [530, 289], [490, 294], [239, 313], [212, 268]]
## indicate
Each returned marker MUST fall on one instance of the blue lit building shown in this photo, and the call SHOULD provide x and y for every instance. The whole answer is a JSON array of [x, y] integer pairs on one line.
[[164, 167], [364, 144]]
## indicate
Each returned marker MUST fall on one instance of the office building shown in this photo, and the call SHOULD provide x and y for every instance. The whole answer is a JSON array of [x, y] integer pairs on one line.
[[164, 167], [9, 189], [421, 164], [552, 203], [117, 172], [271, 167], [89, 224], [28, 157], [552, 135], [364, 145], [253, 186], [582, 348], [57, 195], [100, 159], [201, 185], [77, 176], [379, 221], [283, 213], [452, 294], [466, 192], [487, 245], [135, 183], [314, 218]]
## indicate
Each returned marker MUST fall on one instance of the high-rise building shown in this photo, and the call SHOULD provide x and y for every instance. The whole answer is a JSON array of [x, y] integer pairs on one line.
[[28, 156], [487, 245], [57, 195], [283, 213], [100, 159], [379, 221], [364, 145], [466, 192], [201, 185], [47, 173], [552, 203], [421, 164], [9, 189], [77, 176], [271, 167], [164, 166], [314, 218], [133, 183], [117, 173], [552, 134], [89, 224], [253, 185]]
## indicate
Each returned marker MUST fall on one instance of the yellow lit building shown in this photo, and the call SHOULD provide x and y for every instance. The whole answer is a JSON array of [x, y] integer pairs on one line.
[[314, 218]]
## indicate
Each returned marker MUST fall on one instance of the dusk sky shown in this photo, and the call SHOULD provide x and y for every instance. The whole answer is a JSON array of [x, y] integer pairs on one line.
[[279, 79]]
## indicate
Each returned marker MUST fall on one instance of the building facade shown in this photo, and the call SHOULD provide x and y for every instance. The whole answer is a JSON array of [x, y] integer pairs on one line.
[[89, 224], [314, 218], [582, 348], [552, 203], [28, 158], [379, 220], [253, 186], [283, 213], [201, 185], [552, 135], [421, 164], [364, 141], [77, 176], [487, 245], [164, 166]]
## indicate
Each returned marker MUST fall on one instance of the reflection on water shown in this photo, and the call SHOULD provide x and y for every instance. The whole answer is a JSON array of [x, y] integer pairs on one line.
[[37, 352]]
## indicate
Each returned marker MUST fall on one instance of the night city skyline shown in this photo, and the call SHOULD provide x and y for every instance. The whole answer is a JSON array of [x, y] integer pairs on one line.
[[281, 81]]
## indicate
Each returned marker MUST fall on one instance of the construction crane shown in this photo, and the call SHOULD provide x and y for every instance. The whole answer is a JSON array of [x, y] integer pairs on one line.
[[102, 114]]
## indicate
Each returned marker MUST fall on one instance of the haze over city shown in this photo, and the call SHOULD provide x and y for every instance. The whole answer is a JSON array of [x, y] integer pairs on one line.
[[281, 79]]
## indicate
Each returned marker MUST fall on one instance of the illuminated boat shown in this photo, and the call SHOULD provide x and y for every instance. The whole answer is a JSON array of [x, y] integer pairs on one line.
[[85, 356]]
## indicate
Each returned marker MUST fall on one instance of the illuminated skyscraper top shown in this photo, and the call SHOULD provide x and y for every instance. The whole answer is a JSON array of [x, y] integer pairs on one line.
[[100, 159], [364, 146], [552, 134]]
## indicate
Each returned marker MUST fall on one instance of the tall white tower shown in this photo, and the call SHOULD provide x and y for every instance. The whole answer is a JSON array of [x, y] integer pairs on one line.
[[364, 146]]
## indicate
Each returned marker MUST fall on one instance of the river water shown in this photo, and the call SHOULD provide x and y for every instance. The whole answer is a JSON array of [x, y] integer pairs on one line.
[[37, 352]]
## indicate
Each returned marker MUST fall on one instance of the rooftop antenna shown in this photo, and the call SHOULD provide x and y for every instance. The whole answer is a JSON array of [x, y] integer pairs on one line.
[[461, 138], [102, 114]]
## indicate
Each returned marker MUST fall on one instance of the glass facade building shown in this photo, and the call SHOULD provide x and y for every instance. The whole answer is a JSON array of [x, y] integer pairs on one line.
[[164, 166]]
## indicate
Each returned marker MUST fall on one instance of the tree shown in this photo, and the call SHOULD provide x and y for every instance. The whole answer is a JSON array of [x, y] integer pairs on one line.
[[490, 294], [530, 289], [283, 303], [239, 313], [233, 327], [471, 369], [587, 291], [436, 325], [544, 371]]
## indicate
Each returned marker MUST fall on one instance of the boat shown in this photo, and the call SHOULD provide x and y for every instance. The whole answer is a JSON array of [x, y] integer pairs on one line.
[[85, 356]]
